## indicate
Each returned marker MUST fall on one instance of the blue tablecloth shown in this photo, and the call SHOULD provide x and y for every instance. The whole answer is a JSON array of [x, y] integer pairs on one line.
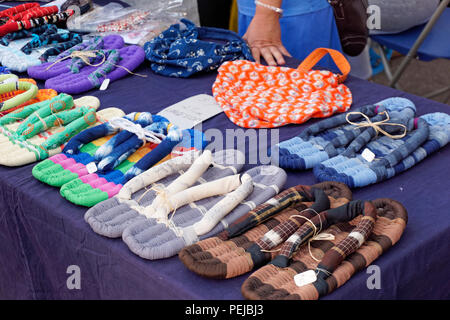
[[42, 234]]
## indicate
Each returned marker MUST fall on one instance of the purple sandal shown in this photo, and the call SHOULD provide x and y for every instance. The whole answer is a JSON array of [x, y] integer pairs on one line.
[[82, 79], [50, 70]]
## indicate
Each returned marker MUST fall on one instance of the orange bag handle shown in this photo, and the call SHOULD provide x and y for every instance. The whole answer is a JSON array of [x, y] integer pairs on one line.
[[338, 58]]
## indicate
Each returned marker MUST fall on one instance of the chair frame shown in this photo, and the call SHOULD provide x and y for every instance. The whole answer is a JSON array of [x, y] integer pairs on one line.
[[412, 54]]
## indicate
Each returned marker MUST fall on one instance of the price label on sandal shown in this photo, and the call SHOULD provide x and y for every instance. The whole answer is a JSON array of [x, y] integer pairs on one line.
[[91, 167], [368, 155], [104, 85], [304, 278], [191, 111]]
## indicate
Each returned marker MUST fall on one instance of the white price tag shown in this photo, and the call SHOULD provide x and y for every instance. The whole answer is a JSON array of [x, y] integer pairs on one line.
[[91, 167], [191, 111], [304, 278], [368, 155], [104, 85]]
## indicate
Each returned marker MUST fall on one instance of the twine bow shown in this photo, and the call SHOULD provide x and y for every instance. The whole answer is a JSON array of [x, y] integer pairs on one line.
[[377, 125], [83, 55], [316, 235], [135, 128]]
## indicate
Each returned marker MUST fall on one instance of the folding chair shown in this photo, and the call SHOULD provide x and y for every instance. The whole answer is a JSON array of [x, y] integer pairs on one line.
[[427, 42]]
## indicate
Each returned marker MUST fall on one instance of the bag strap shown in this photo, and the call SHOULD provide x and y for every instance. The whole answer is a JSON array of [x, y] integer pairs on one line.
[[338, 58]]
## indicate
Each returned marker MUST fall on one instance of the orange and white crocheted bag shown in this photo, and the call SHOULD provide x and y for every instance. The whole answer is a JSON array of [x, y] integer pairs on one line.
[[258, 96]]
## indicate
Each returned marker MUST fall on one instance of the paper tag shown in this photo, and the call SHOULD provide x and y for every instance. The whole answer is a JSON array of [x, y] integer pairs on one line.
[[368, 155], [191, 111], [91, 167], [104, 85], [304, 278]]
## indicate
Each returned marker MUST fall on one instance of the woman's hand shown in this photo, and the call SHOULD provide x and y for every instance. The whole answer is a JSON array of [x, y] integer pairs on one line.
[[264, 37]]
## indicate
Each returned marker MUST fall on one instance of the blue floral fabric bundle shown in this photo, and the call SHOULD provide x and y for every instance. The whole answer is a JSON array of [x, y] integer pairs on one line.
[[184, 49]]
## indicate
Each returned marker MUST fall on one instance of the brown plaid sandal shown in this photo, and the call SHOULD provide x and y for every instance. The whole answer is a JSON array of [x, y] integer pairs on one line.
[[297, 273], [268, 225]]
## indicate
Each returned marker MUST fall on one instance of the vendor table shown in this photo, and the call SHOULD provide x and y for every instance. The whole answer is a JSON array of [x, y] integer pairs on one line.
[[42, 234]]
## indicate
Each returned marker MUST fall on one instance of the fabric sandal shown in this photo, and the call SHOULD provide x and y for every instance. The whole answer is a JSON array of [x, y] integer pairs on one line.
[[52, 69], [225, 256], [426, 135], [115, 160], [109, 218], [47, 15], [94, 188], [43, 128], [21, 54], [330, 137], [88, 77], [90, 146], [353, 245], [198, 210]]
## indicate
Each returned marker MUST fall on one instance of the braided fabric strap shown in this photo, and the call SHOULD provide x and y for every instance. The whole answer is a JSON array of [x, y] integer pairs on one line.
[[17, 9], [9, 83], [65, 41], [68, 41], [268, 209], [77, 63], [51, 28], [35, 12], [113, 58]]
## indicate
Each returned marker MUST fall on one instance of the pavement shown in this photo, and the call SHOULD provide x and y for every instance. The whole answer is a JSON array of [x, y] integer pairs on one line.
[[421, 77]]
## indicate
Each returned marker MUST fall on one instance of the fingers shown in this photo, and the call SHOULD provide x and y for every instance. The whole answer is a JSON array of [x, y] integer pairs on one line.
[[277, 54], [256, 54], [267, 55]]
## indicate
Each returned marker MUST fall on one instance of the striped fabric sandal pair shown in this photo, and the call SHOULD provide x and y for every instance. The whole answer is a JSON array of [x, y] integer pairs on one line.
[[26, 48], [307, 244], [366, 146], [182, 201], [87, 65], [96, 163], [40, 130]]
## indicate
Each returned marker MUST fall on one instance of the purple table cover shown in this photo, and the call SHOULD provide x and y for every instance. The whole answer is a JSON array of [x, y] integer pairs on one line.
[[42, 234]]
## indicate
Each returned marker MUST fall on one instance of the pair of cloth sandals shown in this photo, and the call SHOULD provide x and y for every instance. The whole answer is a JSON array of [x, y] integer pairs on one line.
[[30, 15], [184, 200], [96, 163], [25, 48], [40, 130], [302, 244], [368, 145], [16, 93], [85, 66]]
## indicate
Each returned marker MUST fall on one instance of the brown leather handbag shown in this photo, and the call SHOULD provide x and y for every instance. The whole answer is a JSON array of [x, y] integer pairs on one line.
[[351, 20]]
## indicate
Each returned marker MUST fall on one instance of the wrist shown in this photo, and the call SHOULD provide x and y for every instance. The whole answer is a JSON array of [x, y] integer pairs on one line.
[[266, 14], [268, 8]]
